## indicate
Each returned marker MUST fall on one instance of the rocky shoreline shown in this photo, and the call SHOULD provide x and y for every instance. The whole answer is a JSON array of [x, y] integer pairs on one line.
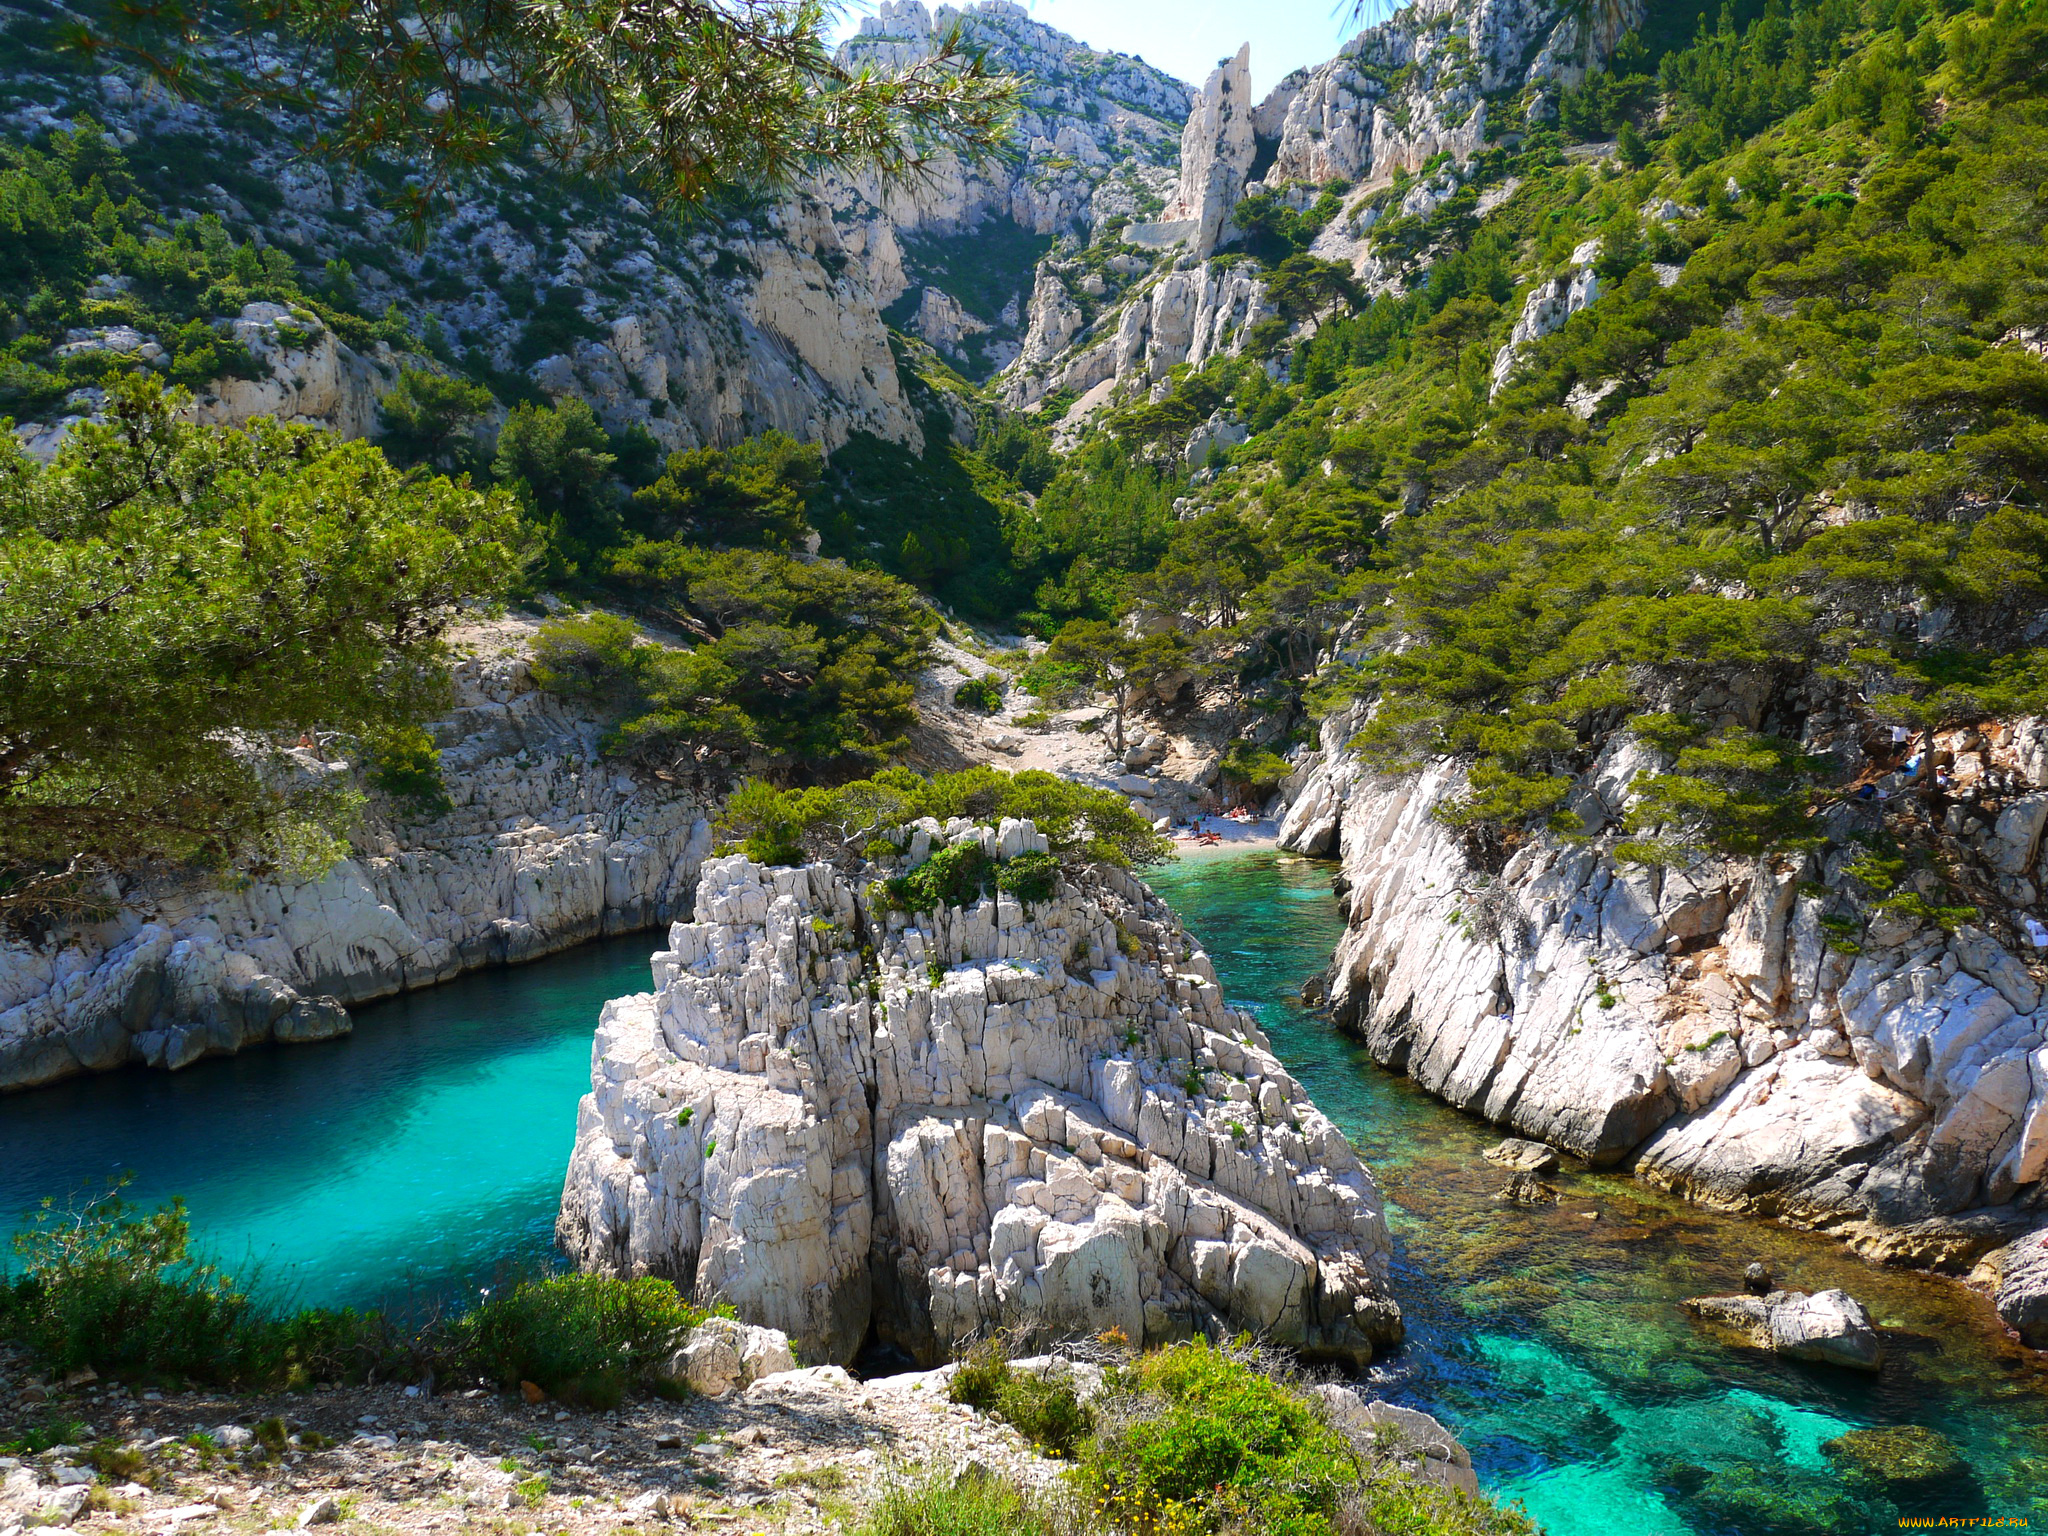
[[546, 846], [1698, 1027]]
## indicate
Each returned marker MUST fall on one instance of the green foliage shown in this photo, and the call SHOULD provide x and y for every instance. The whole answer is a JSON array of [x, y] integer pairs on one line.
[[1077, 821], [941, 520], [1735, 793], [693, 102], [557, 460], [755, 494], [975, 1505], [1256, 768], [1045, 1410], [78, 209], [427, 417], [183, 603], [952, 877], [803, 661], [1030, 877], [984, 693], [100, 1286], [583, 1338], [405, 764], [1210, 1443]]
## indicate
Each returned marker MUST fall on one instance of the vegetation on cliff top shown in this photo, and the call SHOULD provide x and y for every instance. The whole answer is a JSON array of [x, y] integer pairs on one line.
[[181, 603], [859, 820]]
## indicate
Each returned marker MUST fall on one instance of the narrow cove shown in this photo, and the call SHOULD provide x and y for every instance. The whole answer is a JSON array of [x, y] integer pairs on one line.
[[424, 1154]]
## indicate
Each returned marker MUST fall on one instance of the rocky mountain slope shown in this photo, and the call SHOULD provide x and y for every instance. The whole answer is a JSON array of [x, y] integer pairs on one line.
[[1035, 1118], [1408, 95], [700, 330]]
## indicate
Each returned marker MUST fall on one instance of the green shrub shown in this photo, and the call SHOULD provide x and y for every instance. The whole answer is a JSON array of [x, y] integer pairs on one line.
[[1057, 683], [968, 1505], [1030, 877], [1254, 767], [406, 765], [583, 1338], [102, 1287], [982, 693], [1048, 1413], [952, 877], [1205, 1441]]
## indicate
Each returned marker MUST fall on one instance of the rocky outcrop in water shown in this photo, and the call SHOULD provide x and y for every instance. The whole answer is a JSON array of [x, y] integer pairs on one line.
[[545, 846], [2017, 1277], [1036, 1119], [1827, 1328]]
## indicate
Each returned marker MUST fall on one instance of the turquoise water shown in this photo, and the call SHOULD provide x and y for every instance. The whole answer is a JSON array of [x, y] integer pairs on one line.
[[424, 1154], [1553, 1343]]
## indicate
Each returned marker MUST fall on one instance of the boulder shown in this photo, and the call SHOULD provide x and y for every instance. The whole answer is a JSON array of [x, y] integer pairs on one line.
[[1827, 1327], [722, 1355], [1523, 1156], [1415, 1442], [2018, 1277]]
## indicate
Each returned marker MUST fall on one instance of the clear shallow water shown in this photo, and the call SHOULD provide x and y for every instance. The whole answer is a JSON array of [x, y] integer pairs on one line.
[[425, 1153], [422, 1153], [1553, 1343]]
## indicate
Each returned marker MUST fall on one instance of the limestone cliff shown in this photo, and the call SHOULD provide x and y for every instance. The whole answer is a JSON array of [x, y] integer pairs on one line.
[[1038, 1119], [951, 251], [1707, 1024], [1410, 93], [546, 846]]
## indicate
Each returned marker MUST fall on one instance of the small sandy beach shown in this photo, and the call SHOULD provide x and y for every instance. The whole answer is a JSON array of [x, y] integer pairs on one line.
[[1237, 837]]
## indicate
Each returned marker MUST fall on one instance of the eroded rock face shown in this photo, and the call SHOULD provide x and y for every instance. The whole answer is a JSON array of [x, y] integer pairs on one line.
[[1698, 1022], [1216, 153], [546, 846], [839, 1116], [2017, 1276]]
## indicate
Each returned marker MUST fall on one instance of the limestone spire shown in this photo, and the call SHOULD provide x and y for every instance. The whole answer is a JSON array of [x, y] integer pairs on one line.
[[1216, 150]]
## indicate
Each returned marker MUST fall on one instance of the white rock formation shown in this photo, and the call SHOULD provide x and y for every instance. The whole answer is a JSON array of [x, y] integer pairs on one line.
[[1349, 118], [1185, 315], [1546, 309], [840, 1116], [546, 846], [1828, 1327], [1216, 153], [1700, 1023]]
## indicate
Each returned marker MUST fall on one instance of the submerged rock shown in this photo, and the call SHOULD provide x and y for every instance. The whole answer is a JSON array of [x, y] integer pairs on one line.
[[1524, 1188], [1828, 1327], [1909, 1461], [839, 1116]]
